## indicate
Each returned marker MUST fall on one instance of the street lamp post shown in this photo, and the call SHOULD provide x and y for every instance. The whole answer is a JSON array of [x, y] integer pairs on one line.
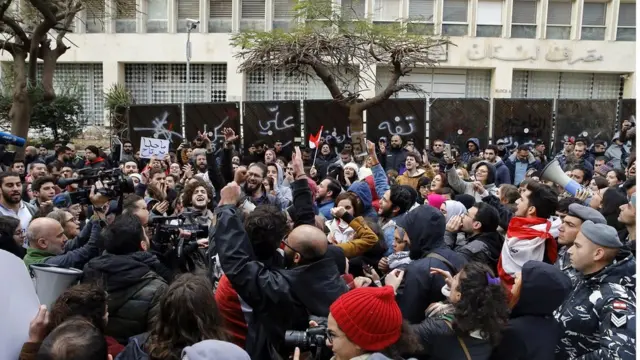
[[191, 25]]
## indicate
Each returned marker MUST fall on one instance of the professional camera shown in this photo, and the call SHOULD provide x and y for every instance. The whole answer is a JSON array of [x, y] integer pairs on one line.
[[114, 181], [178, 252], [310, 339]]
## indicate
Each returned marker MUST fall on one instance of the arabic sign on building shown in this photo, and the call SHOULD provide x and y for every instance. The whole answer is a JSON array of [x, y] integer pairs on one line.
[[517, 53], [404, 117], [271, 121]]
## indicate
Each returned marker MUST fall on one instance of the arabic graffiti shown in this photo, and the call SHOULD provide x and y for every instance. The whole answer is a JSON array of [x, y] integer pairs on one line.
[[554, 54], [271, 126], [510, 142], [216, 135], [339, 138], [159, 130], [398, 129]]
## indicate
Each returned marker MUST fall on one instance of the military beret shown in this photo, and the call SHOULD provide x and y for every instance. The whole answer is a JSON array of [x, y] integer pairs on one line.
[[586, 213], [601, 234]]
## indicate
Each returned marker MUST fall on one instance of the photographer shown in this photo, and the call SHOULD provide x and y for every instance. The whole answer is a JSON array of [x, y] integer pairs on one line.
[[280, 299]]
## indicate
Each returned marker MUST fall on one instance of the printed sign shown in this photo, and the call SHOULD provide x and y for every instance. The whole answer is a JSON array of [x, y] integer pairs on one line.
[[150, 147]]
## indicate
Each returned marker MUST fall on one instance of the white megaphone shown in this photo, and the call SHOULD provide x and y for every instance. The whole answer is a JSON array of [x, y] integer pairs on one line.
[[51, 281], [553, 172]]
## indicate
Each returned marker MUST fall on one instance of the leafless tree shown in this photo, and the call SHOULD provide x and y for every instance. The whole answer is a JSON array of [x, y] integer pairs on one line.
[[333, 44], [32, 30]]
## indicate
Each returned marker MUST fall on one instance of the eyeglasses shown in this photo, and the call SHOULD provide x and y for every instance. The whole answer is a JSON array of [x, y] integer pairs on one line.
[[284, 242]]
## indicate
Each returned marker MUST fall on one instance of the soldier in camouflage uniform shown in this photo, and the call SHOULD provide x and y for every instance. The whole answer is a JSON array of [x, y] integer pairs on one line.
[[598, 317], [569, 229]]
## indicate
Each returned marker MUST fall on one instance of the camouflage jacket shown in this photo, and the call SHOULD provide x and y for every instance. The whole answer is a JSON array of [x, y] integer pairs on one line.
[[564, 264], [598, 317]]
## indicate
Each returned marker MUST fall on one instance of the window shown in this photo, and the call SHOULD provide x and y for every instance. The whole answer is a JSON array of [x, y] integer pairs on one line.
[[353, 9], [626, 22], [283, 13], [252, 15], [386, 10], [523, 19], [420, 17], [187, 9], [489, 19], [126, 16], [559, 20], [157, 16], [220, 16], [95, 17], [454, 18], [166, 83], [593, 21]]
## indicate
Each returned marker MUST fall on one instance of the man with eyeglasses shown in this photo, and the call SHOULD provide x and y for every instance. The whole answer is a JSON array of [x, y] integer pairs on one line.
[[279, 298]]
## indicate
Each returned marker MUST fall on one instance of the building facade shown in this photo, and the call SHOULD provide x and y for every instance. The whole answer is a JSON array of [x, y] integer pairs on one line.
[[578, 49]]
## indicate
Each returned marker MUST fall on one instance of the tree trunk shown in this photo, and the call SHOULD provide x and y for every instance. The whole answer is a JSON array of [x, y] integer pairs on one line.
[[357, 131], [48, 70], [20, 112]]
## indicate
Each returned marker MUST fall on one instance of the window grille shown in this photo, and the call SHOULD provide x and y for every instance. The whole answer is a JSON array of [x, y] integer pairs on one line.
[[564, 85], [167, 83]]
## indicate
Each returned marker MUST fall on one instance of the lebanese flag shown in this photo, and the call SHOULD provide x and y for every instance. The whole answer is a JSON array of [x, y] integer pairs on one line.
[[314, 140], [527, 239]]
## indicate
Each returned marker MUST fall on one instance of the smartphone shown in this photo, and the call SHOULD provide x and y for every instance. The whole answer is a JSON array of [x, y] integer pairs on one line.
[[366, 268], [447, 150]]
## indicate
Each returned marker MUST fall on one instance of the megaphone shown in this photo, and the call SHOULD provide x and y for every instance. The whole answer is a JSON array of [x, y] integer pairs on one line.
[[10, 139], [51, 281], [554, 173]]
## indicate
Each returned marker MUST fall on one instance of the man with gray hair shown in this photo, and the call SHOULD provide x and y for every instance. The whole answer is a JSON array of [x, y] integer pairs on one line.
[[569, 229], [597, 319]]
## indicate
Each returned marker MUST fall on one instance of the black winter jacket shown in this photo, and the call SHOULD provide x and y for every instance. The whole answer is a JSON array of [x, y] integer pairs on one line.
[[532, 333], [134, 288], [280, 299], [440, 342], [425, 227]]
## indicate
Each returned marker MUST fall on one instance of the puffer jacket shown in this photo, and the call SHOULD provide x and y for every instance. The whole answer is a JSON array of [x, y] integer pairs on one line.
[[134, 288]]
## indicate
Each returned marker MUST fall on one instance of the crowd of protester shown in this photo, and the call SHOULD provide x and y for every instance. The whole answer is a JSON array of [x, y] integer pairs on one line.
[[446, 254]]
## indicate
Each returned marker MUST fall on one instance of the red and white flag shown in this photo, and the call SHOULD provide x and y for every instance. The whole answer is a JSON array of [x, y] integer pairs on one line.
[[527, 239], [314, 140]]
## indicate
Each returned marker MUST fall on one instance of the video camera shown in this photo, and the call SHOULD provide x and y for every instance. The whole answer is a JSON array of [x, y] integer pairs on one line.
[[172, 247], [115, 184]]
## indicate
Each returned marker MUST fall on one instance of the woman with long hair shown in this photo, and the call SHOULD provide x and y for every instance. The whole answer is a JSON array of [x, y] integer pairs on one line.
[[11, 236], [473, 319], [188, 314]]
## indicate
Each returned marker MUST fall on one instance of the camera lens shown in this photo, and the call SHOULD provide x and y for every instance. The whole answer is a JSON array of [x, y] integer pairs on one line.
[[294, 339]]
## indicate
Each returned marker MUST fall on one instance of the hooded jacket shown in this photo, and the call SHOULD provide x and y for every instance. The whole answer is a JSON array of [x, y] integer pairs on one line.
[[283, 193], [597, 319], [425, 228], [616, 154], [134, 291], [463, 187], [466, 156], [532, 333], [361, 188]]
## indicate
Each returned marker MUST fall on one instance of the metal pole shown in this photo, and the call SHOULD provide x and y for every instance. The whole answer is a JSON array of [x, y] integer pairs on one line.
[[188, 97]]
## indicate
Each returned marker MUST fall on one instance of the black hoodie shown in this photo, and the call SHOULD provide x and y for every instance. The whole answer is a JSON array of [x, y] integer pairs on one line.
[[425, 227], [532, 332]]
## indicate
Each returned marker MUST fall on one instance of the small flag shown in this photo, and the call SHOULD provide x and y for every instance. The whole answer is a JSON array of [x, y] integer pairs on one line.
[[314, 140]]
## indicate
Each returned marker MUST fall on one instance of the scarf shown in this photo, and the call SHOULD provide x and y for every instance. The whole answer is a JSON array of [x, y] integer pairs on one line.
[[527, 239], [95, 161]]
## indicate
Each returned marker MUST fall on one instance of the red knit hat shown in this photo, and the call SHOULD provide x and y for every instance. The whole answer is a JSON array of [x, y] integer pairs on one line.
[[369, 317]]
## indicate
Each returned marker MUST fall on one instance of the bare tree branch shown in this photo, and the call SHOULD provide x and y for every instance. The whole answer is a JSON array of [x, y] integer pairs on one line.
[[16, 29], [4, 7], [43, 6]]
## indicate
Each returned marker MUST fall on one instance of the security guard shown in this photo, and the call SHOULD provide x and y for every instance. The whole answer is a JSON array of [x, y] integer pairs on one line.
[[598, 317], [569, 229]]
